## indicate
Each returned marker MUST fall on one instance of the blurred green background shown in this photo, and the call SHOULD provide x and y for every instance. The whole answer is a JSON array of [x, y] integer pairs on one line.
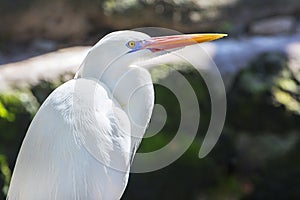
[[257, 155]]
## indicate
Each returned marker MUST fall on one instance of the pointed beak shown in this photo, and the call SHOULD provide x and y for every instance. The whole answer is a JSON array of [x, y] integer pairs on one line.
[[177, 41]]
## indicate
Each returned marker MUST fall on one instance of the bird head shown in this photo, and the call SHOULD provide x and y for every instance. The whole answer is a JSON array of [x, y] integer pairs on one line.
[[112, 62], [127, 47]]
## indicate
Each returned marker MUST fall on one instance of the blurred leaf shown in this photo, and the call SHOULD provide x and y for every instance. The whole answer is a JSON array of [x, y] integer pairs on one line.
[[5, 114], [5, 175]]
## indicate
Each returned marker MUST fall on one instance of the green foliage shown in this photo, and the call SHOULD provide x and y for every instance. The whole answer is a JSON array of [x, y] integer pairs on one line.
[[189, 177], [229, 172], [279, 179], [16, 111], [5, 174], [264, 116], [4, 114], [269, 88], [242, 165], [43, 89]]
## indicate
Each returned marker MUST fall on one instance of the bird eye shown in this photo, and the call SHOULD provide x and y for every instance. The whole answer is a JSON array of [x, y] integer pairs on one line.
[[131, 44]]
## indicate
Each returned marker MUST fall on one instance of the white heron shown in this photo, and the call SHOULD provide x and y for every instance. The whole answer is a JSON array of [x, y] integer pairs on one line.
[[80, 143]]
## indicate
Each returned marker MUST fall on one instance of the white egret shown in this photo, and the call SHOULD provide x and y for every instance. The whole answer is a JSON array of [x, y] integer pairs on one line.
[[81, 141]]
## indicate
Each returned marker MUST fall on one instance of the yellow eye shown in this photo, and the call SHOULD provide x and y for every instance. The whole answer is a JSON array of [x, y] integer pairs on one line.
[[131, 44]]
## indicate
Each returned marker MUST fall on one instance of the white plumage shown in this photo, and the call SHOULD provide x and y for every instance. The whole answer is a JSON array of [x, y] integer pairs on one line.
[[80, 143]]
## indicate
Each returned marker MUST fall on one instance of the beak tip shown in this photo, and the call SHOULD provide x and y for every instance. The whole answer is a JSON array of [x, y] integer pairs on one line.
[[221, 35], [199, 38]]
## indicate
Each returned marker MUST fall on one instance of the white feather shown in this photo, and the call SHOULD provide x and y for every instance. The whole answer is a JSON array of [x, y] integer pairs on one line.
[[80, 143], [69, 156]]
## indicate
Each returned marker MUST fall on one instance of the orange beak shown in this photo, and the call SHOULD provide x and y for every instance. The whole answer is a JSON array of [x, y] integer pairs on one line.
[[176, 41]]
